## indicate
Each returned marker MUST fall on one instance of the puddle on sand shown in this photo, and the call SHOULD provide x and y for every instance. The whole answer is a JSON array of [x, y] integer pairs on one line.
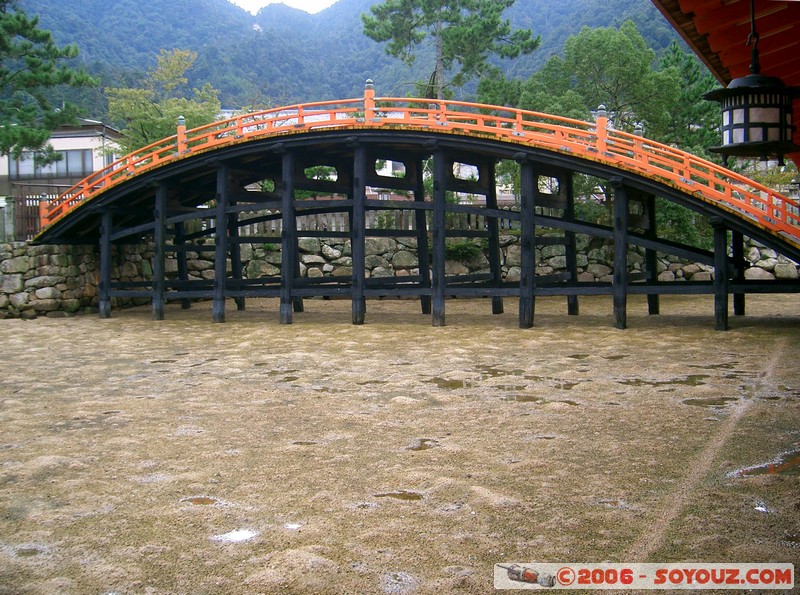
[[279, 372], [567, 385], [447, 383], [423, 444], [710, 401], [236, 536], [538, 400], [405, 495], [292, 526], [207, 361], [201, 501], [690, 380], [28, 551], [490, 371], [791, 539], [398, 583], [787, 463]]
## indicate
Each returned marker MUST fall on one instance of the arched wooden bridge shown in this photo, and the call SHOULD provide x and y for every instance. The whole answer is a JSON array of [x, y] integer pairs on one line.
[[202, 176]]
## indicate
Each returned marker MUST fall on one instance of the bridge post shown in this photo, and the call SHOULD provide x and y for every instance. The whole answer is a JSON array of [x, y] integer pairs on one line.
[[737, 251], [568, 187], [494, 238], [369, 100], [620, 279], [221, 245], [104, 289], [288, 237], [358, 233], [651, 256], [159, 251], [421, 220], [720, 275], [236, 252], [527, 280], [439, 219], [183, 265]]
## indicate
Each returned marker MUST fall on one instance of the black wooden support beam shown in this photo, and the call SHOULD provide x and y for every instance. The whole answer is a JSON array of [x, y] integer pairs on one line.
[[495, 267], [529, 178], [423, 254], [737, 251], [651, 255], [221, 250], [358, 231], [236, 250], [104, 290], [159, 252], [620, 279], [183, 264], [288, 238], [720, 275], [571, 247], [439, 200]]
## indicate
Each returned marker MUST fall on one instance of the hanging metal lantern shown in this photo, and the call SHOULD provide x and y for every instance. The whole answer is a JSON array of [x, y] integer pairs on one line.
[[756, 112]]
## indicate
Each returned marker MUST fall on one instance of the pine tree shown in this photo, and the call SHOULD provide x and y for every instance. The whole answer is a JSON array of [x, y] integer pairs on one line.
[[464, 34], [32, 67]]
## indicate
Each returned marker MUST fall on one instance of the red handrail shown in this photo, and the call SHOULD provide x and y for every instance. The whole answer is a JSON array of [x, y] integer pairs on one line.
[[703, 179]]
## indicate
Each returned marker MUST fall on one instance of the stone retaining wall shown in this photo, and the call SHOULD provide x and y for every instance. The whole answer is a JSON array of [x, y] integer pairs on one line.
[[62, 280]]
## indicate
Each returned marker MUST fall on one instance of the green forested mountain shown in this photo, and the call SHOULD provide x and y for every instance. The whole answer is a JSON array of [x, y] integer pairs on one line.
[[283, 55]]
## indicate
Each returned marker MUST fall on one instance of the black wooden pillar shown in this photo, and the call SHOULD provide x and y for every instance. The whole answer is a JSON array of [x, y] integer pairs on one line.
[[439, 219], [650, 255], [720, 275], [183, 265], [104, 289], [159, 251], [221, 237], [289, 260], [421, 220], [236, 252], [494, 239], [737, 251], [529, 180], [358, 233], [568, 188], [620, 282]]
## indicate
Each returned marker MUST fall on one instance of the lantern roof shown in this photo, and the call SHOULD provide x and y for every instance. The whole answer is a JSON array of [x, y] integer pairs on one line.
[[717, 30]]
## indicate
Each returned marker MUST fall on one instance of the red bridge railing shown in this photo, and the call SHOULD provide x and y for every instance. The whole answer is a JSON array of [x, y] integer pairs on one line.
[[703, 179]]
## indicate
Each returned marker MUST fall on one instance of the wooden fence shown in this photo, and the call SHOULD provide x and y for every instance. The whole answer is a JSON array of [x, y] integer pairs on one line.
[[27, 198], [339, 222]]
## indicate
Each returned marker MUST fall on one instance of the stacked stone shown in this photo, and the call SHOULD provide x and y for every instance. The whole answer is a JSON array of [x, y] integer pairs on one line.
[[62, 280], [46, 280], [765, 263]]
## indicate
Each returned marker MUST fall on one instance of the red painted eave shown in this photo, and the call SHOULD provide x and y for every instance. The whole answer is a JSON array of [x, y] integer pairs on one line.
[[717, 31]]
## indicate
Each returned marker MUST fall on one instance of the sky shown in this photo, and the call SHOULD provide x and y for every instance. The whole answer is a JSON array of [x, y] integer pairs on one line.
[[311, 6]]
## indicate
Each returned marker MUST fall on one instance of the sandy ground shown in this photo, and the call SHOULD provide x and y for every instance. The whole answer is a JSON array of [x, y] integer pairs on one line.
[[184, 456]]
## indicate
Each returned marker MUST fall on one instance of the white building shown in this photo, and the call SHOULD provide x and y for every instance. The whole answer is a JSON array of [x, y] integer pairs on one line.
[[85, 147]]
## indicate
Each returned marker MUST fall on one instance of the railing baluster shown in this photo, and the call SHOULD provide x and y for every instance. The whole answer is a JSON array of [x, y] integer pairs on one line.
[[536, 129]]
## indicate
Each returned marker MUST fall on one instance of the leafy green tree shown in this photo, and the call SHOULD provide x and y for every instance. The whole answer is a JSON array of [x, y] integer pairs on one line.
[[693, 122], [464, 34], [32, 68], [614, 67], [608, 66], [150, 113]]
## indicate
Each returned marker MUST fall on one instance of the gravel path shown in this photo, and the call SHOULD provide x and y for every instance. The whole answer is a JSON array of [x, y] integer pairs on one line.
[[184, 456]]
